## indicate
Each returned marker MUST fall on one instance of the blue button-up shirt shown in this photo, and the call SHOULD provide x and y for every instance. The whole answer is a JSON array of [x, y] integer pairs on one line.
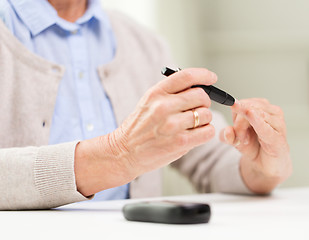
[[82, 108]]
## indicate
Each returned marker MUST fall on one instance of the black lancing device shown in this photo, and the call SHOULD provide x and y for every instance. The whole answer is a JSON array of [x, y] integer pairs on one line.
[[214, 93]]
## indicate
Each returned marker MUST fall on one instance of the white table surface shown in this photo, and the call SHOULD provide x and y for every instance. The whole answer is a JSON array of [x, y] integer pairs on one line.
[[283, 215]]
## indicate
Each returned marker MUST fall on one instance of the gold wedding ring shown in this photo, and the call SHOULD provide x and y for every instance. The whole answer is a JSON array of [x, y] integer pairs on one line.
[[196, 118]]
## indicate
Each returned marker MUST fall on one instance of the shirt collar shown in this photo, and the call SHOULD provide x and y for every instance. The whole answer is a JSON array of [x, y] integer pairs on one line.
[[38, 15], [94, 9]]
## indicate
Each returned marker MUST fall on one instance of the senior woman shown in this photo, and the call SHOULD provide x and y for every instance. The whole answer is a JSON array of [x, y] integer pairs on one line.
[[85, 111]]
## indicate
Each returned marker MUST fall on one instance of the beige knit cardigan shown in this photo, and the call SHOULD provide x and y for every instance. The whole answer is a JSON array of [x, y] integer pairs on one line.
[[34, 175]]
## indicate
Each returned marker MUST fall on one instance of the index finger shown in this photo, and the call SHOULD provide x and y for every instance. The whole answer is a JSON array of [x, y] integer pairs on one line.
[[266, 129], [186, 78], [259, 103]]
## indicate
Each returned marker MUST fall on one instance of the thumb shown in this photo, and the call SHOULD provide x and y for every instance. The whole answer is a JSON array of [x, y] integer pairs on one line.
[[228, 136]]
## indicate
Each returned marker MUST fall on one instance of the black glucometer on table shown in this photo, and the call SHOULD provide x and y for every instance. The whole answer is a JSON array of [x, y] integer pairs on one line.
[[167, 212]]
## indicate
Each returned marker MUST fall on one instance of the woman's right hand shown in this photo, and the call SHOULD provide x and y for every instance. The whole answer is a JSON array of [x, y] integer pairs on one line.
[[158, 132]]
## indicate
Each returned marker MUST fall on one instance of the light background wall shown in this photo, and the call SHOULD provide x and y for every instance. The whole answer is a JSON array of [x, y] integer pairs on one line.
[[257, 48]]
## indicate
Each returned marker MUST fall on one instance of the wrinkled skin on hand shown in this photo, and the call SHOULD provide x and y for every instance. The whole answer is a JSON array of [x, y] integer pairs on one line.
[[159, 131]]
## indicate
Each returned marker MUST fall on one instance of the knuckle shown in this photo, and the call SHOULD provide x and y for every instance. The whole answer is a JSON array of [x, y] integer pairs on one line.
[[169, 127], [208, 114], [281, 133], [202, 96], [160, 108], [264, 100], [188, 75], [248, 111], [211, 74], [209, 133], [205, 116], [169, 124], [206, 72], [278, 110], [151, 95]]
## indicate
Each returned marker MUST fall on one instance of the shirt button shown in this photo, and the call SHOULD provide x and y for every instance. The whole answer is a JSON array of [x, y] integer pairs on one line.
[[89, 127], [106, 73], [81, 75], [74, 32], [56, 69]]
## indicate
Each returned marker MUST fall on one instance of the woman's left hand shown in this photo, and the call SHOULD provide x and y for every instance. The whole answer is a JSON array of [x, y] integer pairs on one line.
[[259, 133]]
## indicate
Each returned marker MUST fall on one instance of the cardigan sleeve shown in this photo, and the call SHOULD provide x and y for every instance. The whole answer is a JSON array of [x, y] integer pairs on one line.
[[38, 177]]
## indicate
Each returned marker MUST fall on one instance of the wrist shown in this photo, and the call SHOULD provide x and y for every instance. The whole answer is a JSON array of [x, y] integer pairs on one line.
[[100, 163], [256, 180]]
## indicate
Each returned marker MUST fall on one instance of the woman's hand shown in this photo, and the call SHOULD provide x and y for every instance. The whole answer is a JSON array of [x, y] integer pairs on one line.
[[259, 133], [158, 132]]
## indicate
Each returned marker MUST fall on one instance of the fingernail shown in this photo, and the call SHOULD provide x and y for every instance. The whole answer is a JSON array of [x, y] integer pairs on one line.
[[236, 104], [237, 143]]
